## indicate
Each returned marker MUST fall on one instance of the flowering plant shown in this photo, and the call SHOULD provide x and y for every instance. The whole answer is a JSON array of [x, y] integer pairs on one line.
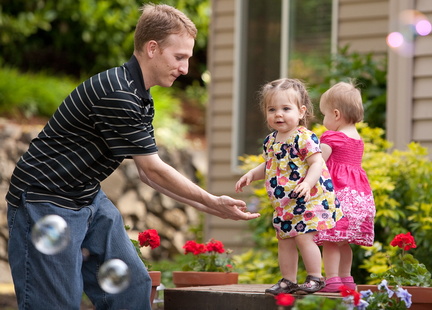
[[384, 298], [149, 237], [206, 256], [284, 300], [404, 269]]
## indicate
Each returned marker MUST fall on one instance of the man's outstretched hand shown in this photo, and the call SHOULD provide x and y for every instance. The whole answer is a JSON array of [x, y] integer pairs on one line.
[[234, 209]]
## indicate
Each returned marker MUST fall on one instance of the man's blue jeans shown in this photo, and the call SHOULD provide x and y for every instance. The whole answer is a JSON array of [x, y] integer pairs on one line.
[[58, 281]]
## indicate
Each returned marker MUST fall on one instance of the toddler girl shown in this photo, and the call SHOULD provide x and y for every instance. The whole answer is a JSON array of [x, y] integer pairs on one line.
[[342, 149], [297, 182]]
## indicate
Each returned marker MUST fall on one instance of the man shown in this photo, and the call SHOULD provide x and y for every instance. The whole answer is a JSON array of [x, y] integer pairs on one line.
[[104, 120]]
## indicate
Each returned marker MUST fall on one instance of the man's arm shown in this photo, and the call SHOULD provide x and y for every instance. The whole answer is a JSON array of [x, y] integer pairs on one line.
[[164, 178]]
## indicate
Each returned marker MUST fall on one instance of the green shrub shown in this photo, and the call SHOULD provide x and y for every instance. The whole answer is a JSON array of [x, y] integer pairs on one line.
[[401, 182], [28, 95], [370, 73], [32, 94], [83, 37]]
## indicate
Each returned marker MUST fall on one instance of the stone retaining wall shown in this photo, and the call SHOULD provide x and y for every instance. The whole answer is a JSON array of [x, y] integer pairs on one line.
[[142, 207]]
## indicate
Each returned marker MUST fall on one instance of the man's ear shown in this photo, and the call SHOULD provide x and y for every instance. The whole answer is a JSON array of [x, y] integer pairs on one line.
[[151, 48]]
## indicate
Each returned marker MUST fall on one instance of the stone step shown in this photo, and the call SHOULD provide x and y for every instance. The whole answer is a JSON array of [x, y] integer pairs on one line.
[[224, 297]]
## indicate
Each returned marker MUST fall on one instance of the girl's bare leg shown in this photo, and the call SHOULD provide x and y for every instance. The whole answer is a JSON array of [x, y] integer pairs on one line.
[[331, 259], [346, 257], [288, 259], [310, 253]]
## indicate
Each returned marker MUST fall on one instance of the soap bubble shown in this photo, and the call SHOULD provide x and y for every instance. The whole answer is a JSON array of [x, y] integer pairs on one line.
[[423, 27], [114, 276], [395, 39], [412, 23], [416, 22], [50, 234]]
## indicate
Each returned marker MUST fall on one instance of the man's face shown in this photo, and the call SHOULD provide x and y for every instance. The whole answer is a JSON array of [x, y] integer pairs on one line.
[[172, 59]]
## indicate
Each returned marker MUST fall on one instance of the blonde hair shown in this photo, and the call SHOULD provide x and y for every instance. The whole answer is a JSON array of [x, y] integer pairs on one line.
[[157, 22], [345, 97], [294, 89]]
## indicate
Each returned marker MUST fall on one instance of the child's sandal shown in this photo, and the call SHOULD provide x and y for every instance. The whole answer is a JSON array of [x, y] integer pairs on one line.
[[311, 285], [283, 286]]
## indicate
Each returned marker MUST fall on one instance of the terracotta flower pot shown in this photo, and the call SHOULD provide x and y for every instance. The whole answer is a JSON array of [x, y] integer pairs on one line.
[[421, 296], [156, 280], [199, 278]]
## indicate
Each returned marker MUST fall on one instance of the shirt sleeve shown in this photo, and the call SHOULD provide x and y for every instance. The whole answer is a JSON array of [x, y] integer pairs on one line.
[[332, 138], [308, 144]]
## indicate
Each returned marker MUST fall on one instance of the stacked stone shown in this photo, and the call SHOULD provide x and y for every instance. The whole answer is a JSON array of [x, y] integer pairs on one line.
[[141, 206]]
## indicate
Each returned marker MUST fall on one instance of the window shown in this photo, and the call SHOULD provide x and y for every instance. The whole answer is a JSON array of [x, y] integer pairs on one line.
[[278, 38]]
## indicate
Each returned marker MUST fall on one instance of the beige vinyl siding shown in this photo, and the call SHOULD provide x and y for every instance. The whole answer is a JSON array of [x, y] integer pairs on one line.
[[409, 88], [363, 24], [219, 111], [220, 178], [422, 90]]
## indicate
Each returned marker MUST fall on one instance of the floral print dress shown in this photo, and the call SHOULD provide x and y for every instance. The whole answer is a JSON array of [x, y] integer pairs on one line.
[[286, 167]]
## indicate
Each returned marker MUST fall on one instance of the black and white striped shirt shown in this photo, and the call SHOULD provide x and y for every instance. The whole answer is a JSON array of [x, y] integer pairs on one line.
[[104, 120]]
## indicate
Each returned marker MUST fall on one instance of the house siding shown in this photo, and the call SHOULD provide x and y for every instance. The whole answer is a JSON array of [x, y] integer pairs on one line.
[[364, 25], [409, 91], [422, 80], [220, 178]]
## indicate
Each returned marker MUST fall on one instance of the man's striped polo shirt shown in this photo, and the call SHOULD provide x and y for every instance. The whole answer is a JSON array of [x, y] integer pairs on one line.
[[104, 120]]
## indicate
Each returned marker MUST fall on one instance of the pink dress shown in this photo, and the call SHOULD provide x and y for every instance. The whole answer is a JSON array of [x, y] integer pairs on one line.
[[352, 190]]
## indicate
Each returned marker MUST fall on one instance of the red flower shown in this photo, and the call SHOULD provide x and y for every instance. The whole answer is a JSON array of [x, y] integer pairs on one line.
[[346, 291], [284, 299], [150, 237], [215, 246], [192, 246], [404, 241]]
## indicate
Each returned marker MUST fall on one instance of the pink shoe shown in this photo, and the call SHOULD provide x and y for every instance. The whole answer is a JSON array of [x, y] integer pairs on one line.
[[332, 285], [349, 282]]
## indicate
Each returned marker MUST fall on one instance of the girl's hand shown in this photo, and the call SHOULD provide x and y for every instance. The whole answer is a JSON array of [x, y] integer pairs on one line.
[[303, 190], [256, 173], [243, 181]]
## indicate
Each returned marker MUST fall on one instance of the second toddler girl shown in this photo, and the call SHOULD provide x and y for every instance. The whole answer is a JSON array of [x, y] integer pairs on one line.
[[342, 148]]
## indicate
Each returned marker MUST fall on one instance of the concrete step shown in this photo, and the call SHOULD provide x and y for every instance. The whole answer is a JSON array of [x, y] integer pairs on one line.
[[224, 297]]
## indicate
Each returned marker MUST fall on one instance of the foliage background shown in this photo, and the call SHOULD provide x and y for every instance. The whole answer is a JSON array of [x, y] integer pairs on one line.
[[83, 37], [49, 46], [400, 180]]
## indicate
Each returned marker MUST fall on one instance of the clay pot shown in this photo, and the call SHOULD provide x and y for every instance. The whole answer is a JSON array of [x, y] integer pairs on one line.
[[156, 280], [200, 278]]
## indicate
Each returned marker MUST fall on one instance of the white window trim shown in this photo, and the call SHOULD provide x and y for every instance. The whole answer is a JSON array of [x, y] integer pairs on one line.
[[237, 85]]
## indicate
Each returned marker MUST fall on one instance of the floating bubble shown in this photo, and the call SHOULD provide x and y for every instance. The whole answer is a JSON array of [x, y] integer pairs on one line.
[[423, 27], [395, 39], [50, 234], [114, 276], [412, 23]]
